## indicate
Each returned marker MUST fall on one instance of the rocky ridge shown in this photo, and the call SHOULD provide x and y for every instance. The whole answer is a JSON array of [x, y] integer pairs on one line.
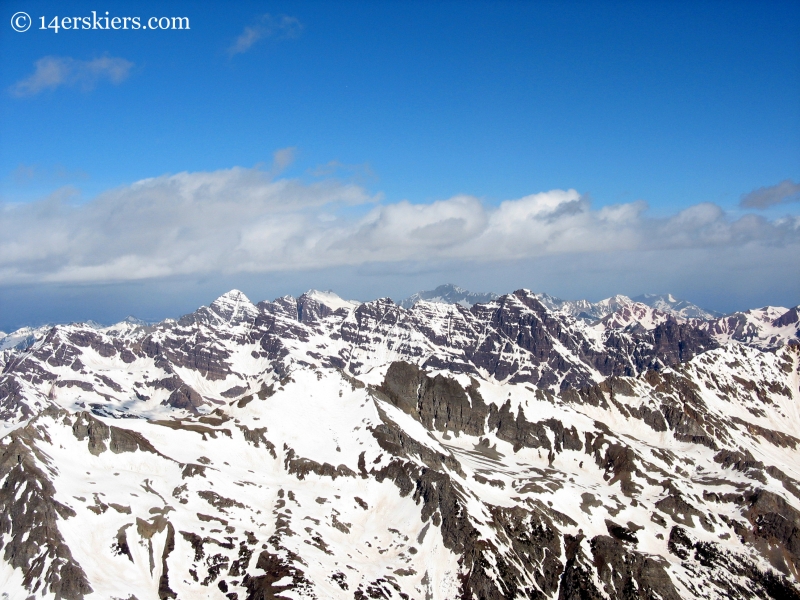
[[317, 448]]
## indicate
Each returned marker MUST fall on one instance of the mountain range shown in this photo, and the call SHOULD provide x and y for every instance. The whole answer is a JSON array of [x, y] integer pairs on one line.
[[665, 303], [456, 445]]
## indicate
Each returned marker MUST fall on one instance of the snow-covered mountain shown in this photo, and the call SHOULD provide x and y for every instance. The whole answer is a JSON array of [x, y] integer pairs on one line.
[[680, 308], [314, 447], [767, 327], [583, 309], [449, 294], [663, 303], [22, 338]]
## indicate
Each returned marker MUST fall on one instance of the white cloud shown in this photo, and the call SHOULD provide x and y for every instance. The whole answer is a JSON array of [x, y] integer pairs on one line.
[[267, 26], [243, 220], [54, 71]]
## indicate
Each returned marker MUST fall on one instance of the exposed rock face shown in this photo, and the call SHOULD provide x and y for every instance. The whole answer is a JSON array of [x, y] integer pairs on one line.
[[439, 403], [317, 448], [29, 519]]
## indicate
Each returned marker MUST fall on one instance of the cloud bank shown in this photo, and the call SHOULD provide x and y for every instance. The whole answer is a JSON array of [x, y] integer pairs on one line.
[[55, 71], [243, 221]]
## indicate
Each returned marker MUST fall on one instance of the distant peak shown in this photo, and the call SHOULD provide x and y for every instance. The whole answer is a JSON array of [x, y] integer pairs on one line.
[[450, 287], [675, 306], [134, 320], [448, 293], [233, 296]]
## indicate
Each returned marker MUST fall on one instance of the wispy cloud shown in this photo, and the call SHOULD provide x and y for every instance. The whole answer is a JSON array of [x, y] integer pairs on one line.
[[244, 220], [334, 168], [281, 159], [267, 26], [26, 173], [54, 71], [764, 197]]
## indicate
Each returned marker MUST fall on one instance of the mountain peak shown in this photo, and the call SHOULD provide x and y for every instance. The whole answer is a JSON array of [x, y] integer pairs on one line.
[[234, 306], [329, 298], [233, 295], [134, 320], [446, 288], [315, 304]]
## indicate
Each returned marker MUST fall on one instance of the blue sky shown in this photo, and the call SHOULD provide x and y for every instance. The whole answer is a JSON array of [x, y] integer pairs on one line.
[[374, 144]]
